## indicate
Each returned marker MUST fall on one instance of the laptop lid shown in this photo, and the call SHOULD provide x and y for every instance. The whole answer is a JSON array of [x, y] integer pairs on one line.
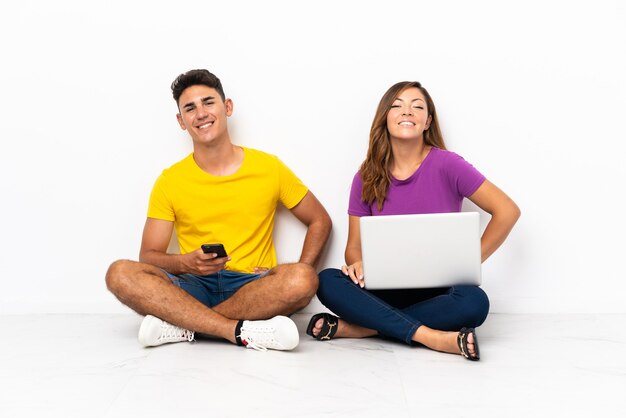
[[421, 251]]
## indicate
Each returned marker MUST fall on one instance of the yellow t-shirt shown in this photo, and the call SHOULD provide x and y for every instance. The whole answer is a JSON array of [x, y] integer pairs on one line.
[[236, 210]]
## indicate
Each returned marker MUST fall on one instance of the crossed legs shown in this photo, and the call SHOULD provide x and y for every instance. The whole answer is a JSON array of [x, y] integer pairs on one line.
[[432, 320], [147, 290]]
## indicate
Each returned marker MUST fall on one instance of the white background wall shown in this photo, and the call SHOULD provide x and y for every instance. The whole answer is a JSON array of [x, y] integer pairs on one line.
[[531, 92]]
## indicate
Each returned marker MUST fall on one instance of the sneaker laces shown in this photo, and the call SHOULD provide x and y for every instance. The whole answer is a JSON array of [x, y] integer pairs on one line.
[[253, 345], [263, 337], [169, 332]]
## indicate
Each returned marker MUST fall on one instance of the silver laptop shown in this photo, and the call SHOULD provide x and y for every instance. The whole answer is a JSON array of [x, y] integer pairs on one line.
[[421, 251]]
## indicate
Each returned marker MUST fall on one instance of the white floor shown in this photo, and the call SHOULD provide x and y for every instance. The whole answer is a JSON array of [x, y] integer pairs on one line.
[[531, 366]]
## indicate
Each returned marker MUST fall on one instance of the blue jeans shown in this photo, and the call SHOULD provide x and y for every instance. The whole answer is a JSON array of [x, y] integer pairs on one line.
[[215, 288], [397, 313]]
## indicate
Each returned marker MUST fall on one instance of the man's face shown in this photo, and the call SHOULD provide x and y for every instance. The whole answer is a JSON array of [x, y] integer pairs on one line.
[[203, 114]]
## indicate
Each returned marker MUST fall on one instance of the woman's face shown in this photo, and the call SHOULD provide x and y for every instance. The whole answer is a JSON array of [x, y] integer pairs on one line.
[[408, 117]]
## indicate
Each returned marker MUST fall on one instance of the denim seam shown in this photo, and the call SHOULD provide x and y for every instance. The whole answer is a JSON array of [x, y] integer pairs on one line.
[[410, 321], [182, 280]]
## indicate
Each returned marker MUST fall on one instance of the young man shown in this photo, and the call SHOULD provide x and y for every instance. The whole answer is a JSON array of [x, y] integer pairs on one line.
[[221, 193]]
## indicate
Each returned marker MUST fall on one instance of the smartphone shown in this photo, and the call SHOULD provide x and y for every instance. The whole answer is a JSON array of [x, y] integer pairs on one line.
[[214, 248]]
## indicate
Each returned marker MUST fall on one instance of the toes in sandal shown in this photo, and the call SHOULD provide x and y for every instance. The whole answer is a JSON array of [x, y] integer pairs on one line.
[[329, 327], [462, 342]]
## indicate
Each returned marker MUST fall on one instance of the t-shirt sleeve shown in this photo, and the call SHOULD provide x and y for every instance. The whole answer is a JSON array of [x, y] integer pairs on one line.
[[291, 188], [356, 206], [463, 176], [160, 205]]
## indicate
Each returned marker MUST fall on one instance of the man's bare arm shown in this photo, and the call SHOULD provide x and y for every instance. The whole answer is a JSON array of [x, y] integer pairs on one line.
[[156, 237], [311, 213]]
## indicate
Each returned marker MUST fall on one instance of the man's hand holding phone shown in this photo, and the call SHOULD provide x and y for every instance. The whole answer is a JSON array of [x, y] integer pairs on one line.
[[208, 259]]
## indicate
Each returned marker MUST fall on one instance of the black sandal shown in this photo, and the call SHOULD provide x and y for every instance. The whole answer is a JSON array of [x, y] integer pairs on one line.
[[462, 342], [329, 327]]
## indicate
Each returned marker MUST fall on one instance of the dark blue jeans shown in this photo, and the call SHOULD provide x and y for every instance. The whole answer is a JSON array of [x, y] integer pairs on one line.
[[397, 313]]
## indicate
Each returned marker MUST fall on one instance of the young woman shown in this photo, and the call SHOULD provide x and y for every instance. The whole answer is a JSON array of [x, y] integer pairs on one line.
[[408, 170]]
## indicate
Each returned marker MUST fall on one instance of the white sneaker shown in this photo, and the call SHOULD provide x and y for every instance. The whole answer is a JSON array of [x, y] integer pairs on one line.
[[155, 331], [278, 333]]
